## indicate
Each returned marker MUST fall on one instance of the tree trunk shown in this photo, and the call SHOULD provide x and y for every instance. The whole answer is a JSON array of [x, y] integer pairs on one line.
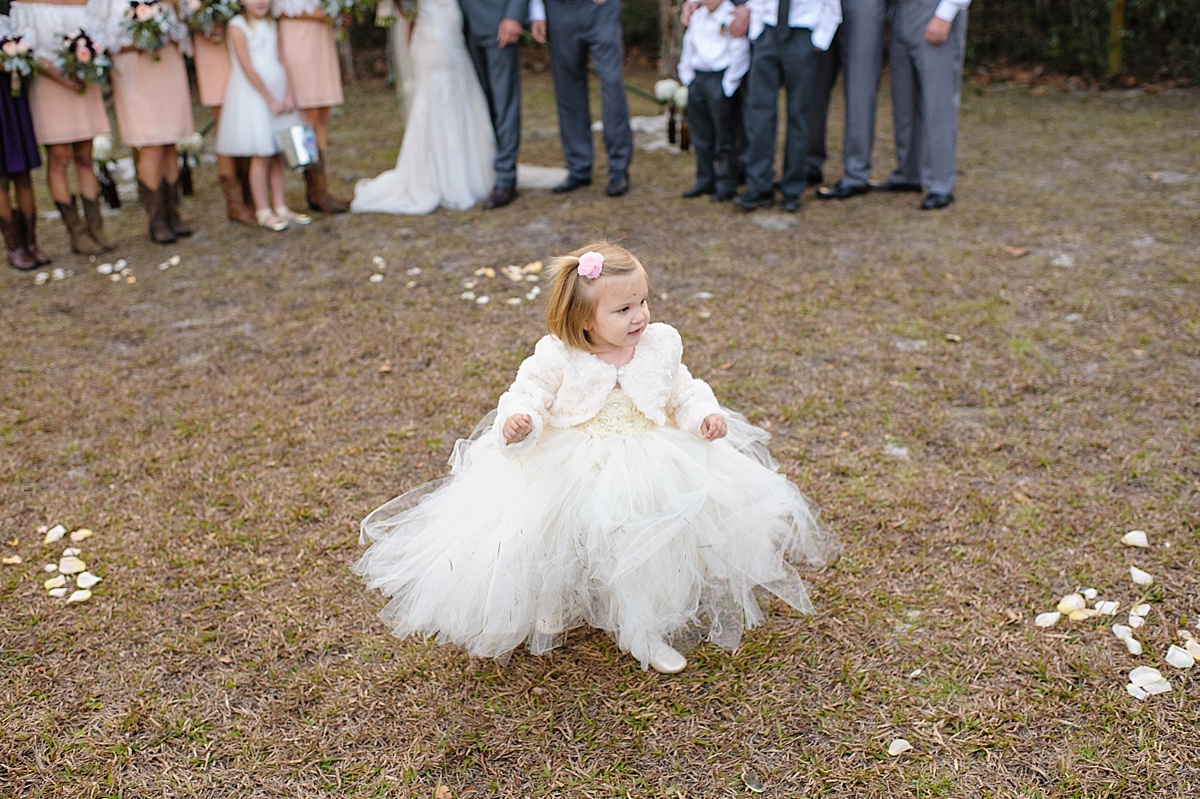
[[672, 37]]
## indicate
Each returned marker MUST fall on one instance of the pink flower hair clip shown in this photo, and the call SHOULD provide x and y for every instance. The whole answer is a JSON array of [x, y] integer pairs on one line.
[[591, 264]]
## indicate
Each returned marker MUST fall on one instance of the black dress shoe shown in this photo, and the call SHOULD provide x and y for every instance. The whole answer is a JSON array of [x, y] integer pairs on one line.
[[697, 190], [500, 197], [571, 184], [750, 202], [897, 185], [842, 191], [617, 185], [934, 202], [815, 177], [721, 197], [790, 204]]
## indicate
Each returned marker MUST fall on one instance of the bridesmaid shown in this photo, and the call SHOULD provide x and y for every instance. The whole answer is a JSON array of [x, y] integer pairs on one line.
[[18, 155], [308, 50], [151, 97], [66, 116], [211, 59]]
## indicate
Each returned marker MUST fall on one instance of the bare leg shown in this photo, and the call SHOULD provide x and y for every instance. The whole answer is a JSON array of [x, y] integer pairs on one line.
[[85, 173], [58, 161]]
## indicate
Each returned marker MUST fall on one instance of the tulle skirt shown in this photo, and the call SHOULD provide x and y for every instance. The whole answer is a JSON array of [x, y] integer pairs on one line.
[[651, 536]]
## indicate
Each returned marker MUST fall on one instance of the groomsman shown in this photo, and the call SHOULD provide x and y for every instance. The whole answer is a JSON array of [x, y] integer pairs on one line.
[[492, 29], [857, 52], [576, 29], [925, 62], [785, 36]]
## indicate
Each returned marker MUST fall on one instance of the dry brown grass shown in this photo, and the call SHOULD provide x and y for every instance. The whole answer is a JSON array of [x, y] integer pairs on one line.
[[224, 424]]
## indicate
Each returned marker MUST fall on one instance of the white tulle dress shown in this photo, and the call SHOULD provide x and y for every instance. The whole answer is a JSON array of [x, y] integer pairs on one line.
[[449, 147], [627, 524], [247, 125]]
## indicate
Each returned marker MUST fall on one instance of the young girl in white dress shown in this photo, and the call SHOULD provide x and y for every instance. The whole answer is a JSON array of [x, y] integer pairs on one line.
[[258, 102], [608, 488]]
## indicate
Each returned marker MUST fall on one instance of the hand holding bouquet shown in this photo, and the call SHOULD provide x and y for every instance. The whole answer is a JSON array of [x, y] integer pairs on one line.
[[334, 10], [83, 60], [17, 59]]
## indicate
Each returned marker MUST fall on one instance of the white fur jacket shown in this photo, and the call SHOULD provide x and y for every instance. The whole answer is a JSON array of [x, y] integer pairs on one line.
[[563, 387]]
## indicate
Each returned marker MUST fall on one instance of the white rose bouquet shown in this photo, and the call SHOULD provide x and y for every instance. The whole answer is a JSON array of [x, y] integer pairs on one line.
[[17, 59]]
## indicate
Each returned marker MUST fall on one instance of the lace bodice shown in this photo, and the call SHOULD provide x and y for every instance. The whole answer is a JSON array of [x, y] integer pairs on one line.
[[110, 15], [295, 8], [44, 24], [618, 416]]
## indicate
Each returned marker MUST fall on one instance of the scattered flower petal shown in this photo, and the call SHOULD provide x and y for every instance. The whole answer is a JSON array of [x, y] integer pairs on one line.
[[1122, 631], [50, 568], [81, 534], [1192, 647], [1090, 593], [1141, 610], [752, 781], [378, 262], [71, 551], [1107, 607], [467, 295], [1140, 577], [55, 533], [55, 582], [1083, 614], [1071, 603], [1135, 691], [82, 595], [1047, 619], [376, 278], [1135, 620], [484, 300], [1159, 687], [174, 260], [71, 565], [532, 268], [513, 301], [1135, 538], [58, 593], [1184, 634], [1144, 674], [1180, 658], [416, 270], [105, 269], [87, 580], [1133, 645], [41, 277], [12, 560], [898, 747]]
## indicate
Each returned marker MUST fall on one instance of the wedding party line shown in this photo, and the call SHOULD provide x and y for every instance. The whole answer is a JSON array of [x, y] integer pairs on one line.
[[269, 72]]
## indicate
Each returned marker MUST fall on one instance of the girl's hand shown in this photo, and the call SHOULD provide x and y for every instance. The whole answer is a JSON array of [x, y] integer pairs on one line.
[[277, 107], [517, 427], [289, 101], [713, 427]]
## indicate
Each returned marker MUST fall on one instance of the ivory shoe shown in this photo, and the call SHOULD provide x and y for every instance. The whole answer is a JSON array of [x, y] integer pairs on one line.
[[666, 660], [283, 212], [267, 219]]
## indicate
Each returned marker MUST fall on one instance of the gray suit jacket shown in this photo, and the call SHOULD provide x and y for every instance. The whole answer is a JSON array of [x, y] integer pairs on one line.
[[482, 17]]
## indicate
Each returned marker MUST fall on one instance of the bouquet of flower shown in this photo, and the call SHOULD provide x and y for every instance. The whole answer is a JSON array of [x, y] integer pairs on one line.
[[148, 25], [334, 10], [208, 16], [82, 59], [102, 161], [17, 60]]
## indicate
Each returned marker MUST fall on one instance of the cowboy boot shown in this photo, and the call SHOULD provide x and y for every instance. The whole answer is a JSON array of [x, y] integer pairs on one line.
[[95, 222], [241, 166], [170, 195], [235, 208], [152, 201], [14, 243], [319, 198], [31, 245], [81, 241]]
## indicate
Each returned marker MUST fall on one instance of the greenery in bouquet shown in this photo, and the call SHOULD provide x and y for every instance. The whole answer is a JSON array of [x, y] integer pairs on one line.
[[148, 25], [334, 10], [17, 59], [81, 58], [208, 17]]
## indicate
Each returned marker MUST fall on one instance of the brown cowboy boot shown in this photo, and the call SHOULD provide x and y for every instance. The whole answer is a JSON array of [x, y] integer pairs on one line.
[[14, 242], [170, 195], [95, 222], [156, 214], [30, 230], [81, 241], [235, 208], [319, 198]]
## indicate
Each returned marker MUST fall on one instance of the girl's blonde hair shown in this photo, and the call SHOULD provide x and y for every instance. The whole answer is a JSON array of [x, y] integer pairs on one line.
[[573, 297]]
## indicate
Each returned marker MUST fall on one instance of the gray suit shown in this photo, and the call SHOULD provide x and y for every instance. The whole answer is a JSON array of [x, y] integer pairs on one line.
[[926, 90], [857, 51], [577, 29], [499, 71]]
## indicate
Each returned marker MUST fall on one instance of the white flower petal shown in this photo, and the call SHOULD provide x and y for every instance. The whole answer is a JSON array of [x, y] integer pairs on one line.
[[1083, 614], [1135, 538], [1144, 674], [1192, 646], [1136, 621], [1133, 645], [87, 580], [55, 582], [12, 560], [81, 595], [1047, 619], [50, 568], [71, 552], [1107, 607], [71, 565], [1140, 577], [1180, 658], [1135, 691], [1160, 687], [58, 593], [1090, 593], [1121, 631], [1184, 634], [898, 747], [55, 533], [1071, 602], [81, 534], [1142, 610]]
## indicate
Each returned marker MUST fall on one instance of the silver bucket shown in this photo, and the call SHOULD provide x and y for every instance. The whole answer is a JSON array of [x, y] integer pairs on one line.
[[298, 146]]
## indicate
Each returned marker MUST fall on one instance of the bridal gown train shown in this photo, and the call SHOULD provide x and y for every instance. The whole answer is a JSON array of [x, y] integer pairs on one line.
[[449, 146]]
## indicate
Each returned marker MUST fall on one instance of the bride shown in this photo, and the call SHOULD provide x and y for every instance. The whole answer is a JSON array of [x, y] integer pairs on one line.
[[448, 148]]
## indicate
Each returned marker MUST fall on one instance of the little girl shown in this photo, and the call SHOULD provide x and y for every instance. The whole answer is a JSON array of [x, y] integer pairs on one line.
[[608, 488], [258, 102]]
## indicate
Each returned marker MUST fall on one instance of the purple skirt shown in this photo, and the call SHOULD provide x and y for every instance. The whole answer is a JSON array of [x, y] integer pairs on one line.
[[18, 146]]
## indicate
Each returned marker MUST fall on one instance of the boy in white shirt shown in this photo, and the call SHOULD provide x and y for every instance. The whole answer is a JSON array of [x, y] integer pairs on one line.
[[712, 66]]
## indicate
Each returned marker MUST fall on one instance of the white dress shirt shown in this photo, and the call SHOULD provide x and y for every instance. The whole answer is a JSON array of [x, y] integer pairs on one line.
[[822, 17], [948, 9], [708, 47]]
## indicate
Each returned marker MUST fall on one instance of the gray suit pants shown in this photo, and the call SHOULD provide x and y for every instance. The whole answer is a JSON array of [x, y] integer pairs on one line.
[[577, 29], [857, 52], [710, 117], [926, 91], [778, 60], [499, 71]]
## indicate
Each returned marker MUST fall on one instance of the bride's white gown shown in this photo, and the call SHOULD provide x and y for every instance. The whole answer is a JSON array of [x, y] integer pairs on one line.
[[449, 146]]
